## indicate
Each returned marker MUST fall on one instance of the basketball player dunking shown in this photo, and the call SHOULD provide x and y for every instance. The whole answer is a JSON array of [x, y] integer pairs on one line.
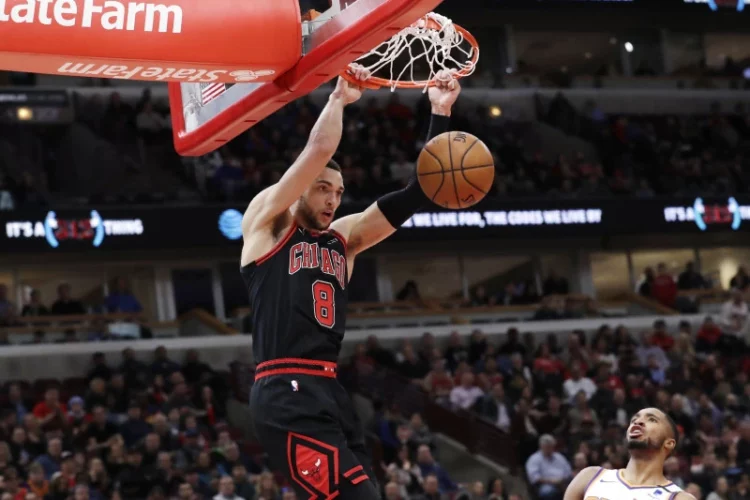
[[651, 438], [296, 262]]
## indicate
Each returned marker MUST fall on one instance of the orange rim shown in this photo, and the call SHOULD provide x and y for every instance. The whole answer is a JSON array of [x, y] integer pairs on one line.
[[375, 82]]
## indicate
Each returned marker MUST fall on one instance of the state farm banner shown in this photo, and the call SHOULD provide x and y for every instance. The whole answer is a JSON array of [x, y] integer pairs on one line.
[[159, 40]]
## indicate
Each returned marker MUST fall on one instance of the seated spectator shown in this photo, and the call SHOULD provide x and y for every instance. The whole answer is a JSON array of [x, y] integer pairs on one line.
[[438, 383], [36, 482], [431, 487], [122, 300], [660, 337], [50, 409], [65, 303], [429, 466], [51, 460], [464, 396], [162, 365], [16, 402], [226, 490], [242, 483], [708, 336], [99, 368], [35, 306], [741, 280], [548, 471], [578, 383], [690, 279], [734, 316], [496, 409], [7, 308], [664, 289]]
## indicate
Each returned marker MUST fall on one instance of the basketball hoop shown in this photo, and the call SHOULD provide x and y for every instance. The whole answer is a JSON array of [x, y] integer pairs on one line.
[[430, 45]]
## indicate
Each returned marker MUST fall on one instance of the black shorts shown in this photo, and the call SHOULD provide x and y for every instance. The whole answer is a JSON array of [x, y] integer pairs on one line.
[[306, 423]]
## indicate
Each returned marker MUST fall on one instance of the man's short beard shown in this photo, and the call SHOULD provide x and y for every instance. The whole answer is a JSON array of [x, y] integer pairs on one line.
[[308, 218], [646, 444]]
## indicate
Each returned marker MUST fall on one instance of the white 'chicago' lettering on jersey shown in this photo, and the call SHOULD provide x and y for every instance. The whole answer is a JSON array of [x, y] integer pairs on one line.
[[608, 484]]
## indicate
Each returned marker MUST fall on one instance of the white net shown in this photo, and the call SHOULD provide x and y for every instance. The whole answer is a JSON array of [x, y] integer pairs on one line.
[[417, 53]]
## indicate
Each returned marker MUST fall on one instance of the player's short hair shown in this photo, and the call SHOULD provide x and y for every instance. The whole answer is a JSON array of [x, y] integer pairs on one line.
[[333, 165]]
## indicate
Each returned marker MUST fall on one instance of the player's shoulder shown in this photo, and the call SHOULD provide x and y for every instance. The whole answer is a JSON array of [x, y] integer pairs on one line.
[[590, 473], [683, 495]]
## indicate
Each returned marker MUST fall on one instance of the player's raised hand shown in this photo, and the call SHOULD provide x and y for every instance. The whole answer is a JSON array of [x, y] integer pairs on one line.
[[444, 93], [348, 91]]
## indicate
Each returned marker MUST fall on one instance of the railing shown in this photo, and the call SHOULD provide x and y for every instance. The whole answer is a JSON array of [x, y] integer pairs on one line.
[[27, 325]]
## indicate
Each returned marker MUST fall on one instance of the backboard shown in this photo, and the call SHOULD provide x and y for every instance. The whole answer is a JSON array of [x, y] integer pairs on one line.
[[207, 115]]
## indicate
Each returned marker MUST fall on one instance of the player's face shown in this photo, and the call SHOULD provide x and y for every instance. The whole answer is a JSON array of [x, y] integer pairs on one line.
[[318, 204], [650, 430]]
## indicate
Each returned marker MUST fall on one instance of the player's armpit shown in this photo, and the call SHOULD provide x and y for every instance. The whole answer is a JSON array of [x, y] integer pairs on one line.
[[363, 230], [577, 487]]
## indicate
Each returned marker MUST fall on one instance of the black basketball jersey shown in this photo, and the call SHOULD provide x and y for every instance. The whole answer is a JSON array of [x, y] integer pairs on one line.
[[298, 297]]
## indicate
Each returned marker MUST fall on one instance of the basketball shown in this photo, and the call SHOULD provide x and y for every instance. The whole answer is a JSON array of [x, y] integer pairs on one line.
[[456, 170]]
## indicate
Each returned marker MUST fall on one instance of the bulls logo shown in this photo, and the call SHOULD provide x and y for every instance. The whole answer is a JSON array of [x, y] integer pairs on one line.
[[313, 465], [313, 473]]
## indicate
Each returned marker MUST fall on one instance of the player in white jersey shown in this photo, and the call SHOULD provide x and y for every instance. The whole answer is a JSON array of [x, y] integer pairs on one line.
[[651, 438]]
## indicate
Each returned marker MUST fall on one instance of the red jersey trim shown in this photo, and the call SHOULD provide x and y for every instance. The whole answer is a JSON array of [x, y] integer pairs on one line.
[[278, 245]]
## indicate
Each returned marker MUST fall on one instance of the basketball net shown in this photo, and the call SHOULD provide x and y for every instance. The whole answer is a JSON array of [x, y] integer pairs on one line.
[[433, 41]]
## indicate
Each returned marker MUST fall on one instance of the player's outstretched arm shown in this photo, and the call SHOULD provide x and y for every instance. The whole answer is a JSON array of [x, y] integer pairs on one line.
[[321, 146], [577, 487], [382, 218]]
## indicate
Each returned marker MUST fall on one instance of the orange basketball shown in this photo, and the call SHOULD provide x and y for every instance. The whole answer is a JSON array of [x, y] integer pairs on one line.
[[456, 170]]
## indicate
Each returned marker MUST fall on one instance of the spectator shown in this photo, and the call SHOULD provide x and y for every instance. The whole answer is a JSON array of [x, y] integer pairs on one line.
[[646, 287], [428, 466], [99, 368], [35, 307], [226, 490], [734, 315], [37, 483], [50, 409], [242, 484], [664, 289], [578, 383], [548, 471], [134, 428], [690, 279], [708, 337], [464, 396], [162, 365], [122, 300], [432, 489], [51, 461], [496, 409], [7, 308], [741, 280], [555, 285], [65, 304], [16, 403]]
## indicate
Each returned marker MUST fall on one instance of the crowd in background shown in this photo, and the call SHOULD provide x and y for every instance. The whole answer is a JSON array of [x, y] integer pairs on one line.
[[641, 156], [572, 401], [135, 430]]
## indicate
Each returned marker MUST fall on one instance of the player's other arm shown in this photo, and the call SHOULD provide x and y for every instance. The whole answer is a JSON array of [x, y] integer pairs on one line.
[[320, 148], [577, 487], [382, 218]]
